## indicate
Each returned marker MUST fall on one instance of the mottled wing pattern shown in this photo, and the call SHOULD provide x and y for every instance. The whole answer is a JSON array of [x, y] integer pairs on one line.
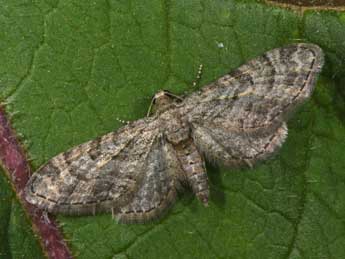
[[250, 104], [159, 186], [233, 149], [100, 175]]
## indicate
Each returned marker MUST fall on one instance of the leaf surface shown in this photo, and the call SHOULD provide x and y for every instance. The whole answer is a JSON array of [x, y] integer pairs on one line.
[[69, 68]]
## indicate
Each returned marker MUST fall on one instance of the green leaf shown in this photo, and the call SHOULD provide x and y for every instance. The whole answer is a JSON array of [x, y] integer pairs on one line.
[[69, 68]]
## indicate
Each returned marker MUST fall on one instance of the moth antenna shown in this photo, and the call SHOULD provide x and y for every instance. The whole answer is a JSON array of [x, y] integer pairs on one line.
[[198, 76], [150, 108], [175, 96], [196, 80], [122, 121]]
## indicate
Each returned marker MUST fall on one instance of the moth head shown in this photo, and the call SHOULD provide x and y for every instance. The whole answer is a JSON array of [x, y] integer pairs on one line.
[[162, 100]]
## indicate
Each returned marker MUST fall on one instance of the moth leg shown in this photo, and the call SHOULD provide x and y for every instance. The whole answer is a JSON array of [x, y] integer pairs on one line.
[[158, 190], [193, 166]]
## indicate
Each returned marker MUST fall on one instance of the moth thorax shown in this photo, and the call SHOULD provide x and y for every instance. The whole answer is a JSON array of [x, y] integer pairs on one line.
[[176, 136], [161, 101]]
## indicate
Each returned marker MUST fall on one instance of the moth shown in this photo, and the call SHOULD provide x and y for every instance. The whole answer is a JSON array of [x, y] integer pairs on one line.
[[136, 172]]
